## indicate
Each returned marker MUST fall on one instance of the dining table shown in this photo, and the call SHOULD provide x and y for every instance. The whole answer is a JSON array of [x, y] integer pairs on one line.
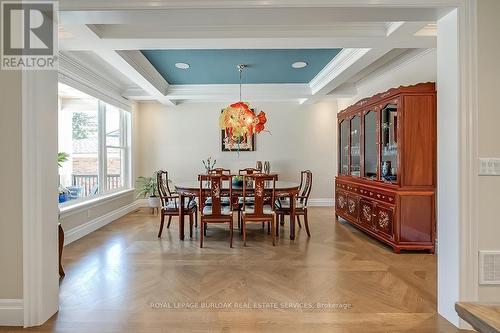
[[283, 189]]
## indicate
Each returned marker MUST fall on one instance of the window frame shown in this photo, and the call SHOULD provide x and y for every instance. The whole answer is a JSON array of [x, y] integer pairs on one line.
[[125, 123]]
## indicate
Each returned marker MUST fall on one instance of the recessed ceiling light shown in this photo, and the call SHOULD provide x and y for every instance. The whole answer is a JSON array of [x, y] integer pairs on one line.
[[182, 65], [299, 64]]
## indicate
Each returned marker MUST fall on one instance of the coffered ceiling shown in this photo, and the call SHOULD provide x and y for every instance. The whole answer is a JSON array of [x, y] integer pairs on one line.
[[339, 40]]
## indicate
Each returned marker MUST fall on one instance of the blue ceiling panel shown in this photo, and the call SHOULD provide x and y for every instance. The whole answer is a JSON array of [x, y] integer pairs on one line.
[[219, 66]]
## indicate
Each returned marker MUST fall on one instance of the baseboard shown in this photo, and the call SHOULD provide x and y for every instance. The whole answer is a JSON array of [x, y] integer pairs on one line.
[[90, 226], [321, 202], [11, 312], [143, 202]]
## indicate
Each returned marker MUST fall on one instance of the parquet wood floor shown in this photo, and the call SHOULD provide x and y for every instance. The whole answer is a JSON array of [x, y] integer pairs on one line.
[[121, 278]]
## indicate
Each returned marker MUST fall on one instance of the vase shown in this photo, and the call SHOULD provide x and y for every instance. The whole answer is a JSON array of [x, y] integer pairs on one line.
[[267, 167], [386, 168]]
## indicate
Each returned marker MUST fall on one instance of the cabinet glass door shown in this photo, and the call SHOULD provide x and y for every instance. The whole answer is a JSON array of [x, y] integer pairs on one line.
[[389, 144], [370, 145], [355, 146], [344, 147]]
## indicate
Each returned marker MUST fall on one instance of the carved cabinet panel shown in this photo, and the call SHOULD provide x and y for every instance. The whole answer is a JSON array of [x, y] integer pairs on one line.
[[384, 218], [366, 214], [341, 201], [352, 206]]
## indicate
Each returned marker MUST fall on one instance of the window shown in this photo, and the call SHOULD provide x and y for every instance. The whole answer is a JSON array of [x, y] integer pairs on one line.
[[93, 146]]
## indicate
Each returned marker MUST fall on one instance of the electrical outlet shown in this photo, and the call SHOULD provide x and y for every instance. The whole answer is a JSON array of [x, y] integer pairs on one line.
[[489, 166]]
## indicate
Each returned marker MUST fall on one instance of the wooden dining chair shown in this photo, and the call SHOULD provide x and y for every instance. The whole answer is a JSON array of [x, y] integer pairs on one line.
[[170, 203], [258, 166], [259, 212], [248, 171], [283, 205], [220, 171], [216, 212]]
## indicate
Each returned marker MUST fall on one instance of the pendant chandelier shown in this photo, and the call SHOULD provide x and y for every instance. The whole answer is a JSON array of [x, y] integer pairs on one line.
[[239, 121]]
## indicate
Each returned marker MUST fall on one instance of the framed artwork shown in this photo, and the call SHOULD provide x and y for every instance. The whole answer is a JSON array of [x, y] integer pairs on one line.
[[237, 144]]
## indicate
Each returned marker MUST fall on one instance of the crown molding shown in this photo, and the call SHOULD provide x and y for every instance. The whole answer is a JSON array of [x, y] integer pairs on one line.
[[74, 74]]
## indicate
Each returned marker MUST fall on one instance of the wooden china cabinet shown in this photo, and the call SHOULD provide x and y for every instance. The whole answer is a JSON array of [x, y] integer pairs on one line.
[[386, 184]]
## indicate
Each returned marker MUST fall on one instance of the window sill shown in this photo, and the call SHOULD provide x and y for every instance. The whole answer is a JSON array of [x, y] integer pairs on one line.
[[70, 209]]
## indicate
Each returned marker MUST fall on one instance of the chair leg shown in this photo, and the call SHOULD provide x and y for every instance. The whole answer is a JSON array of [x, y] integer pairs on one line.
[[201, 233], [306, 223], [231, 233], [191, 225], [277, 227], [273, 233], [298, 221], [244, 233], [239, 219], [282, 219], [268, 228], [263, 225], [205, 226], [169, 220], [161, 225], [196, 218]]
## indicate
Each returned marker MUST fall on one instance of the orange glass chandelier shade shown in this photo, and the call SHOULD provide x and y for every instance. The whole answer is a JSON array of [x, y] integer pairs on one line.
[[238, 120]]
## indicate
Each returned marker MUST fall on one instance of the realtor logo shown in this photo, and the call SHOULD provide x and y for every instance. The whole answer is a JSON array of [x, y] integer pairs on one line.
[[29, 35]]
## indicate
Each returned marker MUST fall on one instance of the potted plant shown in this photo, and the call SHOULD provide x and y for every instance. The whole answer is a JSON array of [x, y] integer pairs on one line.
[[146, 188], [64, 194]]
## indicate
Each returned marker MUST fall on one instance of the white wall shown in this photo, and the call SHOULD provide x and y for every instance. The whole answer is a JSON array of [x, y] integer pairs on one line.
[[178, 138], [489, 136], [413, 67], [11, 227]]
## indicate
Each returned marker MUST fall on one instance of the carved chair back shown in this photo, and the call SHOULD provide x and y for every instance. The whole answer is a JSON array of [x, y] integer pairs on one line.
[[260, 182], [258, 166], [220, 171], [214, 191], [166, 196], [305, 186], [248, 171]]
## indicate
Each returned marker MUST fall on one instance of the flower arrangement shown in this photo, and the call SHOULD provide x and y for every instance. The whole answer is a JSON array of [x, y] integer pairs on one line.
[[238, 120], [208, 164]]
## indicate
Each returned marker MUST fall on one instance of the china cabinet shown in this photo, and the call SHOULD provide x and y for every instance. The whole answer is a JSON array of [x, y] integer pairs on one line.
[[387, 166]]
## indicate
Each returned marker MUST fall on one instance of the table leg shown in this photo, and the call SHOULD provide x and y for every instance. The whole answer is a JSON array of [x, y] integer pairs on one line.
[[61, 246], [181, 217], [292, 216]]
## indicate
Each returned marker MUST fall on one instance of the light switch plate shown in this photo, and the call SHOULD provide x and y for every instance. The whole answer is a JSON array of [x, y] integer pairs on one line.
[[489, 166]]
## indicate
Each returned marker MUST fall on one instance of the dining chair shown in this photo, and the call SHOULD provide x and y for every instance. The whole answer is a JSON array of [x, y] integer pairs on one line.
[[170, 203], [283, 205], [258, 166], [248, 171], [220, 171], [216, 212], [258, 211]]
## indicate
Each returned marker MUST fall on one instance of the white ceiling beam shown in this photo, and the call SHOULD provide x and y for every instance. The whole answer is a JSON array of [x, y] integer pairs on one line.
[[241, 4], [349, 62], [269, 17], [132, 64], [230, 92]]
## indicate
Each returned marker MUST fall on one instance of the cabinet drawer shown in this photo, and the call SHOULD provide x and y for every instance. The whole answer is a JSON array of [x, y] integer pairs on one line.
[[378, 195]]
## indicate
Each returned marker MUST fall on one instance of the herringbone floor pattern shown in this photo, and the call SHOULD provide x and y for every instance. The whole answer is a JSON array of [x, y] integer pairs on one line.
[[121, 278]]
